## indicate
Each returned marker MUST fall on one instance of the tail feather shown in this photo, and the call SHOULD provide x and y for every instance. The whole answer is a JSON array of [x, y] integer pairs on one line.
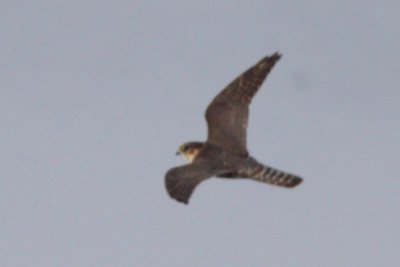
[[273, 176]]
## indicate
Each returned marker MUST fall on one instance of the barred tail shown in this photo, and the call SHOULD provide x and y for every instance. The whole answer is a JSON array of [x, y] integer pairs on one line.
[[276, 177]]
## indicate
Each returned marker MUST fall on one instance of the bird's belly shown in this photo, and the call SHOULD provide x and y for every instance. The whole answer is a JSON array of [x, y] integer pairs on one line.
[[230, 175]]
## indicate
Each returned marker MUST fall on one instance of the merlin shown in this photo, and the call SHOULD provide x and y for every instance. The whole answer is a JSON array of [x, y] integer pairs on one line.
[[225, 154]]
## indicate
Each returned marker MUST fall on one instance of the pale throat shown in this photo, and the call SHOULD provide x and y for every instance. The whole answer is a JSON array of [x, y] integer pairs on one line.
[[191, 154]]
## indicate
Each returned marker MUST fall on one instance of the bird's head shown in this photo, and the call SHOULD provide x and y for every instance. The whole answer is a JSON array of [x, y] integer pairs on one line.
[[190, 150]]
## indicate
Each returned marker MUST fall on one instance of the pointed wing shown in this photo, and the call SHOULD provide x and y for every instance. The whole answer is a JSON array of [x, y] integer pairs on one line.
[[180, 182], [227, 115]]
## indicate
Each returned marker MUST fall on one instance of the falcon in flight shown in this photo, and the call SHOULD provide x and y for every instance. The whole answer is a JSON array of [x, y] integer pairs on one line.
[[225, 154]]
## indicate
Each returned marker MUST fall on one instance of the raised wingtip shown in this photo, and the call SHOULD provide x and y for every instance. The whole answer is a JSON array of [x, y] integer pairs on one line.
[[269, 61], [275, 56]]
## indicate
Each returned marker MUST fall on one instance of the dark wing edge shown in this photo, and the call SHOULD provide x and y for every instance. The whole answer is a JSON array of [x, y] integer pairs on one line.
[[227, 114], [180, 182], [246, 85]]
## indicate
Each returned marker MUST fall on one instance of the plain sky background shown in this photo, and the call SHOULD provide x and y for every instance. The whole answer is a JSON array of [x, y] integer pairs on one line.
[[96, 96]]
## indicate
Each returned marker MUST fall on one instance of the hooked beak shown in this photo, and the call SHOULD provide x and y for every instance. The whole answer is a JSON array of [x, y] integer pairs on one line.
[[178, 153]]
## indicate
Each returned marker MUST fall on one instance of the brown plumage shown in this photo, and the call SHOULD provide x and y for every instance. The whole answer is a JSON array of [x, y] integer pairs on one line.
[[225, 154]]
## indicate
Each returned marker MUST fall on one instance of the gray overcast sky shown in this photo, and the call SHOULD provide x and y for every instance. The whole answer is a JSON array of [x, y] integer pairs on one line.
[[96, 96]]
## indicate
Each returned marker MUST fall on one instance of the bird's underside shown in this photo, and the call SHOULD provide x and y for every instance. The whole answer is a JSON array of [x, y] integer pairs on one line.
[[225, 154]]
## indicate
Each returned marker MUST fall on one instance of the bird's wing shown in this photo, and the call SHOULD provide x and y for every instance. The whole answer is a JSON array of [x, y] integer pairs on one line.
[[227, 115], [180, 182]]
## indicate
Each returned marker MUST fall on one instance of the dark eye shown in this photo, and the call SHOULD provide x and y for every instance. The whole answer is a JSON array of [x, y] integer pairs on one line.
[[184, 148]]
